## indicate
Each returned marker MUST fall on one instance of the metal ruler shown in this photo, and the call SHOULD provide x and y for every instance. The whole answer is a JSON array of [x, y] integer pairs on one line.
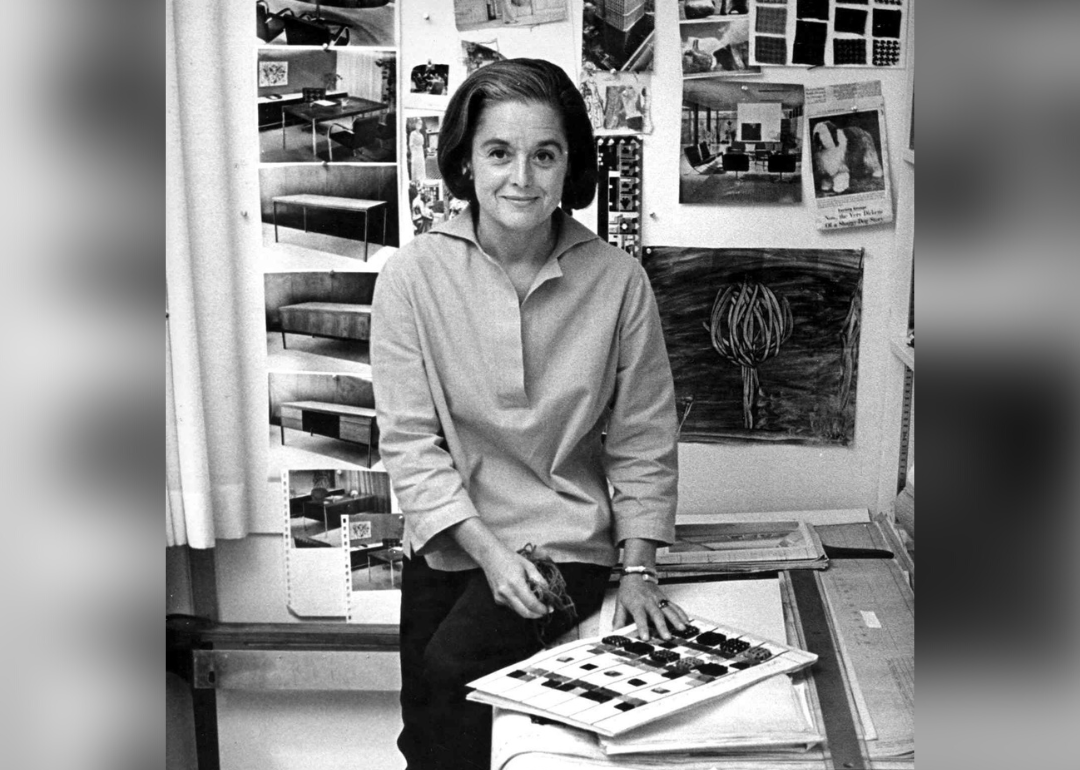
[[842, 739]]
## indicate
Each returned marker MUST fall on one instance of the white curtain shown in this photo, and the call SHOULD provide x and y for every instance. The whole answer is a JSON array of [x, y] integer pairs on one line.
[[216, 402]]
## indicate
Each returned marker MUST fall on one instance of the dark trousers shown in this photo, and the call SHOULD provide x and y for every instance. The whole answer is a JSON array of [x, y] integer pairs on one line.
[[452, 632]]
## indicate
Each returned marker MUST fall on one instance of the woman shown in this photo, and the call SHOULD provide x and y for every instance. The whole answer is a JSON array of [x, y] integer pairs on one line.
[[418, 170], [519, 367]]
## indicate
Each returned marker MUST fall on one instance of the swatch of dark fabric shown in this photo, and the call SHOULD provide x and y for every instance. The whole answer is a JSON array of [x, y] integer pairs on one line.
[[809, 43], [848, 51], [772, 2], [886, 53], [855, 2], [813, 9], [770, 50], [849, 20], [772, 20], [887, 23]]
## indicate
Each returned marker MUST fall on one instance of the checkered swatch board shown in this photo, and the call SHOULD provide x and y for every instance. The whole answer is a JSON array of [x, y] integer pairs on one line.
[[614, 683], [829, 33]]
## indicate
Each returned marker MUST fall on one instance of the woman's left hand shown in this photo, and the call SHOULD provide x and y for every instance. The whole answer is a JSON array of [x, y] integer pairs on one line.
[[644, 603]]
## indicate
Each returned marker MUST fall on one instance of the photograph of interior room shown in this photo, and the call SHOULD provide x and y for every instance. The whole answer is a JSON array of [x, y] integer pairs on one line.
[[294, 311]]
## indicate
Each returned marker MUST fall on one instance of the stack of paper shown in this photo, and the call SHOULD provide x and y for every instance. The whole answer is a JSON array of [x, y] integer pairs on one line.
[[756, 546], [773, 713]]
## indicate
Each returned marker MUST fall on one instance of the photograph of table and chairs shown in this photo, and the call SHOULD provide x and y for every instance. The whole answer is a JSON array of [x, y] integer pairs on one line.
[[326, 22], [337, 210], [741, 141], [327, 105], [316, 416], [319, 320], [318, 498]]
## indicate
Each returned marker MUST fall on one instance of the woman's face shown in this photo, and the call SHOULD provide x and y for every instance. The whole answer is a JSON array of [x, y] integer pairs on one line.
[[520, 158]]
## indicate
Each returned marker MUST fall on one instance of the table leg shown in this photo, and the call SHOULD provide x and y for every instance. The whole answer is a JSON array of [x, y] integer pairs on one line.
[[284, 342], [275, 221], [384, 208], [283, 435], [367, 219]]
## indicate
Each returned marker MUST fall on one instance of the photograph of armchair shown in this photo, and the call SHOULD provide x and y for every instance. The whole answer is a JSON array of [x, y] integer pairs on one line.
[[370, 138], [269, 25], [312, 29]]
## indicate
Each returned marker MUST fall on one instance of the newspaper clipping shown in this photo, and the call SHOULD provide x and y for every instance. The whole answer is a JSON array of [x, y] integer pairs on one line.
[[849, 148]]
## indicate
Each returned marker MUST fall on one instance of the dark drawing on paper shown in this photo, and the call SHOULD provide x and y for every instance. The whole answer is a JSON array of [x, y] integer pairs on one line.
[[763, 343]]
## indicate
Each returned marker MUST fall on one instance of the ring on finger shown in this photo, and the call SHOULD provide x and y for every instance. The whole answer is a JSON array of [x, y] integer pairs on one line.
[[663, 603]]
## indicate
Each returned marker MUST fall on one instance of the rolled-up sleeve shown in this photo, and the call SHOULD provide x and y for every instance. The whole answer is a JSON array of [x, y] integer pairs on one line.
[[411, 444], [640, 453]]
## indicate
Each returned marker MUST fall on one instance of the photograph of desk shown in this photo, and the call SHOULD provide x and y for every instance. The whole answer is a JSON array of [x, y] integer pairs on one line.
[[345, 106], [355, 424], [334, 320], [330, 202]]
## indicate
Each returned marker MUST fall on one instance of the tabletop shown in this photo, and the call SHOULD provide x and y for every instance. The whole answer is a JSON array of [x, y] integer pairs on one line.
[[332, 307], [341, 409], [329, 202], [344, 107]]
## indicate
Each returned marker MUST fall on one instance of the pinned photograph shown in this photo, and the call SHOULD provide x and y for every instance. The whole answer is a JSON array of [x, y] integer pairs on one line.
[[717, 47], [618, 104], [316, 416], [705, 9], [343, 545], [338, 211], [741, 142], [327, 105], [430, 201], [477, 55], [618, 35], [319, 320], [481, 14], [322, 24], [430, 78], [849, 154]]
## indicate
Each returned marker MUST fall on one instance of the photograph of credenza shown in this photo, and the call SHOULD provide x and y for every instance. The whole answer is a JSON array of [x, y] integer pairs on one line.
[[314, 416], [345, 210], [319, 320]]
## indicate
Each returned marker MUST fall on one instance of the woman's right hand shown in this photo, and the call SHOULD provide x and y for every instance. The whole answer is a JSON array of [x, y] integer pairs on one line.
[[510, 575]]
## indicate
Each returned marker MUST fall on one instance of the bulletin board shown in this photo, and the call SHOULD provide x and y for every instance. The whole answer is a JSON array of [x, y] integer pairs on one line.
[[431, 53]]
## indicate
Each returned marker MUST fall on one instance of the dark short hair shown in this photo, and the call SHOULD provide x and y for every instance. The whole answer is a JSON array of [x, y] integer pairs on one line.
[[518, 80]]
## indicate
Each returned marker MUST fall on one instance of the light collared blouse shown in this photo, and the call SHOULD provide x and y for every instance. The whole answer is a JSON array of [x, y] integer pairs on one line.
[[491, 408]]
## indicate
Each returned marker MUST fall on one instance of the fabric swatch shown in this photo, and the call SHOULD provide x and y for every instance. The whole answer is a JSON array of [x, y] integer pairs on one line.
[[770, 50], [886, 53], [772, 20], [813, 9], [850, 20], [809, 45], [772, 2], [848, 51], [887, 23]]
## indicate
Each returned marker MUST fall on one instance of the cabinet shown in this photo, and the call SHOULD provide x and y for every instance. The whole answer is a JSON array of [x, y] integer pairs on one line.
[[355, 424], [334, 320]]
